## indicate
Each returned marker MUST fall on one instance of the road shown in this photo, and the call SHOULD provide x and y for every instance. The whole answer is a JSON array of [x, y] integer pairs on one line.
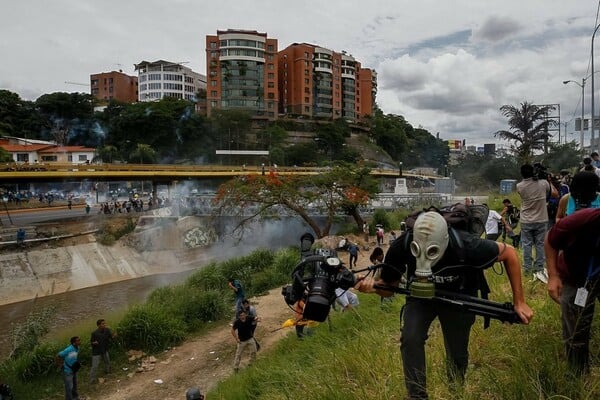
[[36, 215]]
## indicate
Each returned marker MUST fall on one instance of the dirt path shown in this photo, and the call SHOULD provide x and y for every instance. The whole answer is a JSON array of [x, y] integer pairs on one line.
[[202, 361]]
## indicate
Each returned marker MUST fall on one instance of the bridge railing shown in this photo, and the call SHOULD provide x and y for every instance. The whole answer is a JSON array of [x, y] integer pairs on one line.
[[222, 169]]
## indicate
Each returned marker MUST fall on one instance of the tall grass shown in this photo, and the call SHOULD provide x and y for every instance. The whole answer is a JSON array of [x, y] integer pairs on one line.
[[357, 356]]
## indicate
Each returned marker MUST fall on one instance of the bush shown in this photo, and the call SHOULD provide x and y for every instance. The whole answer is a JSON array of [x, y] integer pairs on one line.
[[211, 306], [107, 239], [38, 362], [380, 217], [150, 328], [209, 277], [26, 336], [258, 260]]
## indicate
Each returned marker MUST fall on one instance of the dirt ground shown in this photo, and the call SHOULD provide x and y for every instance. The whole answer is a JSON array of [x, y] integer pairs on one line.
[[205, 360]]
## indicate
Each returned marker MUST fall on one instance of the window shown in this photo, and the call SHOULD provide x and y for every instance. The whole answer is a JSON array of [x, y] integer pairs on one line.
[[213, 83], [213, 104], [306, 109], [22, 157], [82, 157], [270, 47], [271, 95], [213, 93], [271, 75], [306, 81], [49, 158], [306, 99], [306, 64], [271, 85], [214, 54], [270, 66], [305, 72], [306, 54], [213, 45]]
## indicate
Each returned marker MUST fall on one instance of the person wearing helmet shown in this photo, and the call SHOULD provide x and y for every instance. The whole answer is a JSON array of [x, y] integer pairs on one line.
[[432, 253], [194, 394]]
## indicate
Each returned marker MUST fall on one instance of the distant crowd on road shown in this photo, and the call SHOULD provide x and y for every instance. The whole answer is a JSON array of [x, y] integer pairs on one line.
[[133, 204]]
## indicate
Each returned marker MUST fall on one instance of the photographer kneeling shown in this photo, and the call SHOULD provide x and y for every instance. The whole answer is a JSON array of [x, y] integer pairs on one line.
[[432, 254]]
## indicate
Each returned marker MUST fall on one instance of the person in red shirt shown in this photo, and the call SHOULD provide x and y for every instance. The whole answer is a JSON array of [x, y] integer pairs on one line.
[[572, 250]]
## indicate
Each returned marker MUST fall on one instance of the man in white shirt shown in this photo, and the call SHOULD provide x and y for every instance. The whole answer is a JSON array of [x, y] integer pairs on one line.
[[493, 223]]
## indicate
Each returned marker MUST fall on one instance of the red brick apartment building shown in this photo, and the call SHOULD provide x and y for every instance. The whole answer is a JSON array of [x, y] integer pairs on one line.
[[246, 71], [242, 72], [318, 82], [114, 85]]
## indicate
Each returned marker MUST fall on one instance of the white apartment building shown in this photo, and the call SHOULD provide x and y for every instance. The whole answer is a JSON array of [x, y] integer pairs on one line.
[[162, 78]]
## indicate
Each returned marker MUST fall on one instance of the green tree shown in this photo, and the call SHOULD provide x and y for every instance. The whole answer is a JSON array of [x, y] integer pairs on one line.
[[562, 156], [479, 171], [529, 125], [331, 138], [142, 154], [108, 154], [69, 117], [389, 132], [232, 127], [169, 126], [5, 156], [344, 188], [19, 117]]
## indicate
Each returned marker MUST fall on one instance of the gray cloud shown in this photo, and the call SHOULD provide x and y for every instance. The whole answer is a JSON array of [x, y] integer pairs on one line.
[[448, 66], [497, 28]]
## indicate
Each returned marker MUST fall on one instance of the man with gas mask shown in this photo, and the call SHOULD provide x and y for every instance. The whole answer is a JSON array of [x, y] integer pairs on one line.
[[443, 258]]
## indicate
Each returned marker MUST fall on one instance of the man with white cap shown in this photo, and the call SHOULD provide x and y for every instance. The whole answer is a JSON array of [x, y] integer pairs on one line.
[[433, 256]]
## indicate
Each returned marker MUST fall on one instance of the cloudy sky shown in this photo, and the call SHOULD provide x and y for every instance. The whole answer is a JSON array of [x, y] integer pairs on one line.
[[445, 65]]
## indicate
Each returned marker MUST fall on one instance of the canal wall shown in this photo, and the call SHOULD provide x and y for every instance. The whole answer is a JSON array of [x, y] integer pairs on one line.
[[157, 246]]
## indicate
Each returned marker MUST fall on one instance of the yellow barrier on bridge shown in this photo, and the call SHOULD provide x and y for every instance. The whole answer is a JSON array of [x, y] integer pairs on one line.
[[158, 172]]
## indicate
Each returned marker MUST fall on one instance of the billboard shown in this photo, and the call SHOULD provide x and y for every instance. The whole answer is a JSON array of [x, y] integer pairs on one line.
[[455, 144]]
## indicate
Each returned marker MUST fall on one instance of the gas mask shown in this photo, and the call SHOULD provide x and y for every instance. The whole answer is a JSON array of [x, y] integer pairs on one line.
[[430, 241]]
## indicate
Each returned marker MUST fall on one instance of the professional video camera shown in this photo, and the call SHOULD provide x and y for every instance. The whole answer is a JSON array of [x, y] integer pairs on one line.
[[315, 279], [539, 171]]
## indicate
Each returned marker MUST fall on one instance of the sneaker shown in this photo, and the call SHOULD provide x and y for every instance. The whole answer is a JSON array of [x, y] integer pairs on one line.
[[541, 276]]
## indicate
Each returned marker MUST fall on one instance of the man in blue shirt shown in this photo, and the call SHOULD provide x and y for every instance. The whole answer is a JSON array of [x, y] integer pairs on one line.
[[238, 289], [69, 367]]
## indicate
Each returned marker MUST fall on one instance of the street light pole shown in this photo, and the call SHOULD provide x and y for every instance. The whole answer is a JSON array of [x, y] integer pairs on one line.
[[592, 147], [582, 86]]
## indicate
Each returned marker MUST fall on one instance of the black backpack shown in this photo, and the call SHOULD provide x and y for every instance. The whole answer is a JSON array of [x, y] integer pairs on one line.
[[513, 215], [459, 216]]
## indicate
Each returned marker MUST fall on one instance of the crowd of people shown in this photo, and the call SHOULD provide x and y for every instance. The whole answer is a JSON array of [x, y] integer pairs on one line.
[[135, 204], [559, 221]]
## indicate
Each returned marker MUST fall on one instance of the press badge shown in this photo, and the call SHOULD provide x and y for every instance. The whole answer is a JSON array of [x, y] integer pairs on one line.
[[581, 297]]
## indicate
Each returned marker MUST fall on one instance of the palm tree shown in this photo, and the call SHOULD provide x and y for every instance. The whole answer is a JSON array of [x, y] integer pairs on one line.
[[525, 131]]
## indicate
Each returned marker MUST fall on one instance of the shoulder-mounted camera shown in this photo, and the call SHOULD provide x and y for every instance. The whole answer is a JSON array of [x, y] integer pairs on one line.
[[315, 279]]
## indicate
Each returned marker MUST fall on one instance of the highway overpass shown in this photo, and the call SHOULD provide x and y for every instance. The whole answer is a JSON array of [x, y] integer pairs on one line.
[[159, 173]]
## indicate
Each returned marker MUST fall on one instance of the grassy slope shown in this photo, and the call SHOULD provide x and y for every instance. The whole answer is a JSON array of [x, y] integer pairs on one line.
[[357, 357]]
